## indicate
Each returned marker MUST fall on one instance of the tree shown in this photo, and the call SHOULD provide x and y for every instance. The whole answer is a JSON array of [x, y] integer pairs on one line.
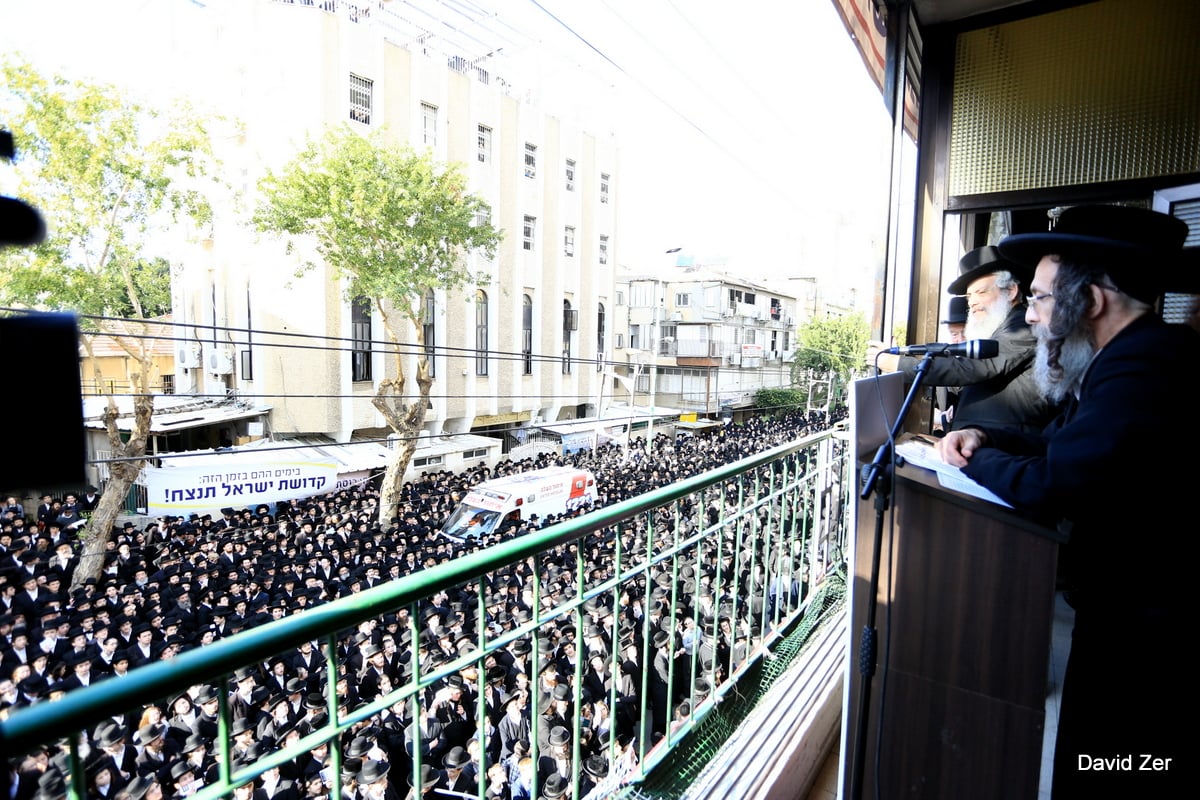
[[394, 226], [112, 177], [835, 346], [779, 401]]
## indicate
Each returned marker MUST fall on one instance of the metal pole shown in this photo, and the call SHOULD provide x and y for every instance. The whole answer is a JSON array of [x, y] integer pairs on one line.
[[655, 330]]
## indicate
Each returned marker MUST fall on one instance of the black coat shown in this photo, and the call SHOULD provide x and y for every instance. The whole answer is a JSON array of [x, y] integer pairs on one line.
[[998, 391], [1118, 464]]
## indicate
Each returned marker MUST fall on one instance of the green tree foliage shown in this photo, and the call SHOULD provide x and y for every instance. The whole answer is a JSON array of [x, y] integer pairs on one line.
[[393, 225], [111, 177], [779, 401], [835, 345]]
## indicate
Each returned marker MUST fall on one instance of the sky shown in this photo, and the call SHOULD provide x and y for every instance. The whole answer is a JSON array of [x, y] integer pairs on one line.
[[750, 134]]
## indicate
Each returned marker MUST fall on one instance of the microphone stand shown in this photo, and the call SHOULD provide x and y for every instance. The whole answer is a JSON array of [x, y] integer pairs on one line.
[[877, 472]]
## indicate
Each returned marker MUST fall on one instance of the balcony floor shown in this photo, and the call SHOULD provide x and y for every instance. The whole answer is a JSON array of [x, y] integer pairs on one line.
[[826, 786]]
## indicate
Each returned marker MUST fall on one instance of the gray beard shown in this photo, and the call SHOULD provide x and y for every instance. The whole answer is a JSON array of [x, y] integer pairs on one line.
[[1073, 359]]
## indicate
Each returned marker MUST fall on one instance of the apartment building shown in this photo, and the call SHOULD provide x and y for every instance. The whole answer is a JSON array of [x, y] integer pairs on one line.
[[524, 345], [702, 340]]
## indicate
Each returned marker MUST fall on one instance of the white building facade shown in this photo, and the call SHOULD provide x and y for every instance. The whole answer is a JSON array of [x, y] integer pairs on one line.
[[523, 347]]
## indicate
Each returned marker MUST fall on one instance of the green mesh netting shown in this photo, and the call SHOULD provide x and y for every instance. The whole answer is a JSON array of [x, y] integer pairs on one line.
[[672, 777]]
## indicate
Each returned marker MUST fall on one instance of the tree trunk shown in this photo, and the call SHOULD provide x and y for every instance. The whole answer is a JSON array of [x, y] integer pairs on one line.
[[95, 534], [406, 420], [393, 480], [122, 474]]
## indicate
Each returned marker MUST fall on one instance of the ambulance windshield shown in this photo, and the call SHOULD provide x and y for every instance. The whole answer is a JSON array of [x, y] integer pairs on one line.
[[470, 522]]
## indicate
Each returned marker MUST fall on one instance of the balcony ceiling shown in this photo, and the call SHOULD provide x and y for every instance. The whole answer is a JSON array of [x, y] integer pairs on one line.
[[934, 12]]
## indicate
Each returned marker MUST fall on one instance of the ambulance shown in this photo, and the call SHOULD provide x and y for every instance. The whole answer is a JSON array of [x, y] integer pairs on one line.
[[541, 492]]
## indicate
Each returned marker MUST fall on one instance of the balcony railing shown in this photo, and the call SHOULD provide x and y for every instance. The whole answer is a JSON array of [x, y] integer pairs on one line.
[[687, 587]]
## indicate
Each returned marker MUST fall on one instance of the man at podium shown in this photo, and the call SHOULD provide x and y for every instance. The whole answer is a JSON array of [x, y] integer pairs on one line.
[[995, 391], [1117, 465]]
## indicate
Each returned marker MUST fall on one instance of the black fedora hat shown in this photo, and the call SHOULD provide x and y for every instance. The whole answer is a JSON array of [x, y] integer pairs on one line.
[[1138, 248], [956, 311], [984, 261]]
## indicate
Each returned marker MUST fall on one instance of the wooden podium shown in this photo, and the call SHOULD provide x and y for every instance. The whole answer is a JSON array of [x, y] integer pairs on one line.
[[966, 592]]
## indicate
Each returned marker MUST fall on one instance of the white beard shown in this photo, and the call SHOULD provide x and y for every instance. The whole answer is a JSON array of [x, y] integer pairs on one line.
[[984, 325]]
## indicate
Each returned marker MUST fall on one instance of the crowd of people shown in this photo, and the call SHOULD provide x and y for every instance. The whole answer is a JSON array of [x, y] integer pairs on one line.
[[639, 658]]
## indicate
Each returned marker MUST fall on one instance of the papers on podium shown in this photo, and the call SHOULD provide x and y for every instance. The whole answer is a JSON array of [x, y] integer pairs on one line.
[[921, 451]]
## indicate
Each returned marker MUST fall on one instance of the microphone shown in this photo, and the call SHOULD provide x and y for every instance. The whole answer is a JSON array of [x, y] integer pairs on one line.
[[20, 223], [975, 348]]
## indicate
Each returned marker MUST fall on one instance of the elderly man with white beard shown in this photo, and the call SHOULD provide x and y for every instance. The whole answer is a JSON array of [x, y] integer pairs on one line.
[[1117, 468], [994, 391]]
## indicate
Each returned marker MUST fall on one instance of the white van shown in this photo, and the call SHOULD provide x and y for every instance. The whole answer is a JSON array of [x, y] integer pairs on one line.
[[553, 490]]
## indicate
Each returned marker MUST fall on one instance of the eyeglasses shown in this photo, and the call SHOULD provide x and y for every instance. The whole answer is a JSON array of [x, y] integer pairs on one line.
[[1037, 299]]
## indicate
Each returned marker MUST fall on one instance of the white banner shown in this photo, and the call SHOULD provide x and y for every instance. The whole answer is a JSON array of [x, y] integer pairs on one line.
[[193, 490], [348, 480]]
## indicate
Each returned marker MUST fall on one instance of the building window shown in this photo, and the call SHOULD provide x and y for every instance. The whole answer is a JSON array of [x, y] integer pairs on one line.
[[429, 332], [247, 365], [683, 299], [478, 452], [427, 461], [485, 144], [527, 335], [603, 249], [360, 99], [666, 339], [570, 175], [168, 381], [530, 160], [568, 241], [600, 333], [620, 298], [603, 187], [483, 216], [619, 341], [429, 124], [570, 325], [528, 231], [360, 335], [481, 332], [635, 337]]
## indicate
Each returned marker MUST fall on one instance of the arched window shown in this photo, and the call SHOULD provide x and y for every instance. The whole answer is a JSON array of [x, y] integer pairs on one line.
[[429, 332], [481, 332], [527, 335], [600, 337], [360, 335], [570, 325]]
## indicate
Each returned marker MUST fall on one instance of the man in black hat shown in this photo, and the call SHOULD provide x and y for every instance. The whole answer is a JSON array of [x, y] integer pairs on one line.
[[1104, 467], [995, 391]]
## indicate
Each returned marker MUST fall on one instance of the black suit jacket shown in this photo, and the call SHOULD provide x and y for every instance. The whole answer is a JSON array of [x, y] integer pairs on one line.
[[998, 391], [1107, 465], [1119, 465]]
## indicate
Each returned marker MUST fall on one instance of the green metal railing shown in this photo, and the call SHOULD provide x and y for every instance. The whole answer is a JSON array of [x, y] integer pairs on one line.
[[730, 557]]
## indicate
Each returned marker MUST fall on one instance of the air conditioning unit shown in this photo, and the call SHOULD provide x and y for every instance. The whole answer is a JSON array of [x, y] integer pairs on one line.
[[729, 312], [220, 361], [735, 359], [187, 356]]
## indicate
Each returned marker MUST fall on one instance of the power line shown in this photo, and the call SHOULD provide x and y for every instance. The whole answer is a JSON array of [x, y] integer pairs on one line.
[[731, 154]]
